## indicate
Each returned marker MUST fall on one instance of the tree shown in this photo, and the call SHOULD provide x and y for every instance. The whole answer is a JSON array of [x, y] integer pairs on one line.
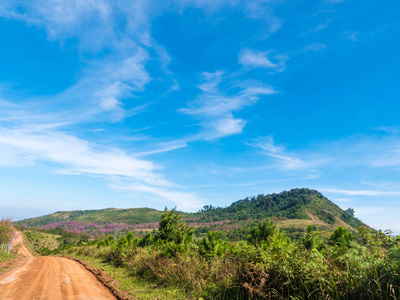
[[168, 224], [171, 228], [212, 244], [262, 232], [341, 237], [6, 230], [350, 211]]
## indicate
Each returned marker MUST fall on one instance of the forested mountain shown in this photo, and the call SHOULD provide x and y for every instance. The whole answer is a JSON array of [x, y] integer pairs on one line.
[[303, 204]]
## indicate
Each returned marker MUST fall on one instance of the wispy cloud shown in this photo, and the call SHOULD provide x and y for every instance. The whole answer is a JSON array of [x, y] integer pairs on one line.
[[387, 129], [107, 83], [345, 200], [209, 6], [119, 33], [75, 156], [259, 10], [314, 47], [184, 201], [360, 192], [369, 152], [166, 147], [269, 147], [262, 59], [373, 215], [89, 20], [263, 10], [321, 26], [333, 1], [215, 106], [354, 36]]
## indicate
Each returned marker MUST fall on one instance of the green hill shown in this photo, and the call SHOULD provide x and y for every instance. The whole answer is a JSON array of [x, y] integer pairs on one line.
[[295, 204], [291, 210], [132, 216]]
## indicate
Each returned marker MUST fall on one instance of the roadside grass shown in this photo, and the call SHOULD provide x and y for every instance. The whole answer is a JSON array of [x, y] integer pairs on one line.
[[7, 260], [139, 288], [28, 244], [41, 239]]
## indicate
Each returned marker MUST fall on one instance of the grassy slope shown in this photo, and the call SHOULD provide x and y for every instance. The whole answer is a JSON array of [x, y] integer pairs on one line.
[[42, 239], [131, 216]]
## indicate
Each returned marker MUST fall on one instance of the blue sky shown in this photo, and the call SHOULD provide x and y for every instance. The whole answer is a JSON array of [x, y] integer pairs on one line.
[[186, 103]]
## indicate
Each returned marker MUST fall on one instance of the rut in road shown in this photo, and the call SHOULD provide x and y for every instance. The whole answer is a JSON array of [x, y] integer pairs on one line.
[[50, 278]]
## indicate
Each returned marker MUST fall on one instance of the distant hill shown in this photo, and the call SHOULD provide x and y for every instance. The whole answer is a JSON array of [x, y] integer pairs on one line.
[[291, 210], [132, 216]]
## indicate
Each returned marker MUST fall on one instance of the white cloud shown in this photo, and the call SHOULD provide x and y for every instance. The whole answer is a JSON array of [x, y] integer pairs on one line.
[[90, 20], [120, 30], [216, 107], [345, 200], [184, 201], [286, 161], [209, 6], [360, 192], [262, 59], [263, 10], [372, 215], [112, 81], [314, 47], [72, 155], [165, 148], [229, 126], [321, 26], [260, 10], [77, 155], [352, 35], [333, 1]]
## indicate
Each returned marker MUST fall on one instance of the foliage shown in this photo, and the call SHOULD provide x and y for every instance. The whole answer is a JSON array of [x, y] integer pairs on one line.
[[212, 245], [169, 224], [311, 240], [291, 210], [266, 265], [342, 237], [240, 254], [262, 232], [6, 229]]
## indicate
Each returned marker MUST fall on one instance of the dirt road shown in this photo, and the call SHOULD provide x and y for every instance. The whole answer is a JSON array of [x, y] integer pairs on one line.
[[50, 278]]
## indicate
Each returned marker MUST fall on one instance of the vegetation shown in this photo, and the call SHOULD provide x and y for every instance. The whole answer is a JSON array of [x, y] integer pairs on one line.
[[267, 264], [6, 230], [6, 257], [294, 204], [43, 243], [291, 211], [292, 245], [131, 216]]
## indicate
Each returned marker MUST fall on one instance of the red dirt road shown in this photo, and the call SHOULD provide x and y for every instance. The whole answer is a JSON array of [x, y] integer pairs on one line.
[[50, 278]]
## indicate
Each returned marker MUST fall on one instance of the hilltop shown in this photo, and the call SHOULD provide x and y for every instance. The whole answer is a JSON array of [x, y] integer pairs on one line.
[[291, 210], [132, 216]]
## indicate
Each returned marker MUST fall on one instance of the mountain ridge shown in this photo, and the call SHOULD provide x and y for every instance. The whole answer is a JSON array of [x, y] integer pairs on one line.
[[293, 210]]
